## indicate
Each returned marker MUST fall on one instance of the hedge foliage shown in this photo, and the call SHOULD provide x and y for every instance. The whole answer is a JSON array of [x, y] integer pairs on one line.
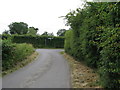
[[14, 53], [38, 41], [95, 38]]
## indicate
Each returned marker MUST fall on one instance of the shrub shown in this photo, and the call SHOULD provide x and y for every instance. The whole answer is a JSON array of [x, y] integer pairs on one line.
[[23, 50], [110, 58], [68, 41], [95, 39], [7, 54], [14, 53]]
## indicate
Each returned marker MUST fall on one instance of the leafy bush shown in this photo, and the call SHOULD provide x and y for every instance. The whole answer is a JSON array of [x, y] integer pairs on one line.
[[23, 50], [68, 41], [14, 53], [7, 54], [95, 39], [110, 58]]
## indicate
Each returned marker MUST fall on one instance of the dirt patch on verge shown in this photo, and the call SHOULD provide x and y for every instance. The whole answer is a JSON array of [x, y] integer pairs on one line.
[[21, 64], [81, 75]]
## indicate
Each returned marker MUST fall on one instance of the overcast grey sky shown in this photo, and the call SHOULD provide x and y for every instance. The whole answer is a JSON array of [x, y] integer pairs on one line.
[[42, 14]]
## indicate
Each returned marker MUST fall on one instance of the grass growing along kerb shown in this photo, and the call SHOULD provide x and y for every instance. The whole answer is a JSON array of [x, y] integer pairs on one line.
[[82, 76]]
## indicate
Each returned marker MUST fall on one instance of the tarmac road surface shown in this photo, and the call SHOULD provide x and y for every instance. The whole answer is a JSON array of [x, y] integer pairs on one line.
[[49, 70]]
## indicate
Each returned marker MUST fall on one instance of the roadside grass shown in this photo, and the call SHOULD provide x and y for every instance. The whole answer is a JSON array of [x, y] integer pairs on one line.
[[62, 52], [21, 64], [82, 76]]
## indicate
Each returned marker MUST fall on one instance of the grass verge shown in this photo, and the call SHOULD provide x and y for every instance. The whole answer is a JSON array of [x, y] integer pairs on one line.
[[21, 64], [81, 75]]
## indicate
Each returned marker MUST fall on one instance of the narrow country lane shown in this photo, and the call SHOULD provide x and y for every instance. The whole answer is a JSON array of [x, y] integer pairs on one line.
[[49, 70]]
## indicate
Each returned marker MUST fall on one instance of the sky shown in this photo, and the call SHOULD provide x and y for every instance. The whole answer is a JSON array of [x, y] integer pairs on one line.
[[42, 14]]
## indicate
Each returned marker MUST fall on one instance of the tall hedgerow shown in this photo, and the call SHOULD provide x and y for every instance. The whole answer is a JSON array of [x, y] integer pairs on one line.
[[38, 41], [95, 39], [110, 58]]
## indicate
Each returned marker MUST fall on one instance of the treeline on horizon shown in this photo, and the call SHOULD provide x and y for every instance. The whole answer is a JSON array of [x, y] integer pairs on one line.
[[95, 39], [21, 28]]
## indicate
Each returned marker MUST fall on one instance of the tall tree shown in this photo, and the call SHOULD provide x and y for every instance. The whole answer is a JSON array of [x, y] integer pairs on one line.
[[32, 31], [6, 32], [18, 28], [45, 34], [61, 32], [50, 34]]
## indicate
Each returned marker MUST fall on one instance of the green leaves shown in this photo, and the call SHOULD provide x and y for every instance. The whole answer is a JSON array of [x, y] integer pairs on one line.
[[61, 32], [18, 28], [40, 41], [32, 31], [96, 39], [14, 53]]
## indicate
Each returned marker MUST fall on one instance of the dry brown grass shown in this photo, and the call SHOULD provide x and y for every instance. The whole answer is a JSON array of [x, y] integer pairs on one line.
[[81, 75]]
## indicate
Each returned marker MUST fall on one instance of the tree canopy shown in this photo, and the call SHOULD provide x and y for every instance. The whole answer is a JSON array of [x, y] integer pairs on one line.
[[18, 28], [21, 28], [47, 34], [32, 31], [6, 32], [61, 32]]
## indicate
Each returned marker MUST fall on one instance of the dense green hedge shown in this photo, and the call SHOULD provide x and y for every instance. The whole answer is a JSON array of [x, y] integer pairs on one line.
[[68, 41], [14, 53], [38, 41], [110, 57], [95, 38]]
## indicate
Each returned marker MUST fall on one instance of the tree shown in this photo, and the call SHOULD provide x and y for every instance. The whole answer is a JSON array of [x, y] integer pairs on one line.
[[32, 31], [61, 32], [45, 34], [18, 28], [6, 32], [50, 34]]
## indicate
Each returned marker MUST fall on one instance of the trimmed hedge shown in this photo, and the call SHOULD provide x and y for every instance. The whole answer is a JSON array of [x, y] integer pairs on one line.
[[39, 41], [14, 53], [95, 38]]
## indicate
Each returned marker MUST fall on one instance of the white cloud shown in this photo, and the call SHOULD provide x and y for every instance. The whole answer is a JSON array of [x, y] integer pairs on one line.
[[42, 14]]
